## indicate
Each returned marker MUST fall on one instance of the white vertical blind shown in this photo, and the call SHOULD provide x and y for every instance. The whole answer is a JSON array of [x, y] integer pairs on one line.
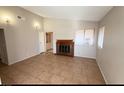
[[84, 37], [79, 37], [101, 37], [89, 36]]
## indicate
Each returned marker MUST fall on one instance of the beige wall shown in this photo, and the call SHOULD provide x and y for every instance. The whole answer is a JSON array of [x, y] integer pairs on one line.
[[21, 35], [111, 57], [65, 29]]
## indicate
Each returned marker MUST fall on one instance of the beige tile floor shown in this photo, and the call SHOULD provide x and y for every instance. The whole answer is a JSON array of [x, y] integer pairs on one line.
[[52, 69]]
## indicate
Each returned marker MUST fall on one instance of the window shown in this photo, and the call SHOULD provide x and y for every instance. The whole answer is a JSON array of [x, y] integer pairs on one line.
[[101, 37], [79, 37], [84, 37], [89, 36]]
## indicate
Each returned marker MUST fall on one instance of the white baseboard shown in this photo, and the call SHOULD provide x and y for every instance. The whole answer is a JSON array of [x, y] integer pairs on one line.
[[102, 73], [86, 57], [22, 59]]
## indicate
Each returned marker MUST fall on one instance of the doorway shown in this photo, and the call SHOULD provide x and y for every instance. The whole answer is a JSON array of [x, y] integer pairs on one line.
[[3, 50], [41, 42], [49, 42]]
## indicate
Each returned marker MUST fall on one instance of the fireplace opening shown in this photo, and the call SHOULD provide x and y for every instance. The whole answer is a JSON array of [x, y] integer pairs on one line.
[[65, 47]]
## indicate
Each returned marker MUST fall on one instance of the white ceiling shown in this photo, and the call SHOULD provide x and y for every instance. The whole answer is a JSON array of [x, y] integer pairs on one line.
[[90, 13]]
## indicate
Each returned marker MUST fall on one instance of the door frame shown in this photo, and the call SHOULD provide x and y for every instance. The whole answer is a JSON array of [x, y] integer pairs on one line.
[[46, 42], [4, 55]]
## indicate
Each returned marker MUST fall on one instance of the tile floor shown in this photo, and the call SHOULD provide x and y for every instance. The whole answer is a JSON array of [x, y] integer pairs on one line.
[[52, 69]]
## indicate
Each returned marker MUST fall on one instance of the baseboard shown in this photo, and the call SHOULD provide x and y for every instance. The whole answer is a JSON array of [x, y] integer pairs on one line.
[[102, 73], [86, 57], [23, 59]]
